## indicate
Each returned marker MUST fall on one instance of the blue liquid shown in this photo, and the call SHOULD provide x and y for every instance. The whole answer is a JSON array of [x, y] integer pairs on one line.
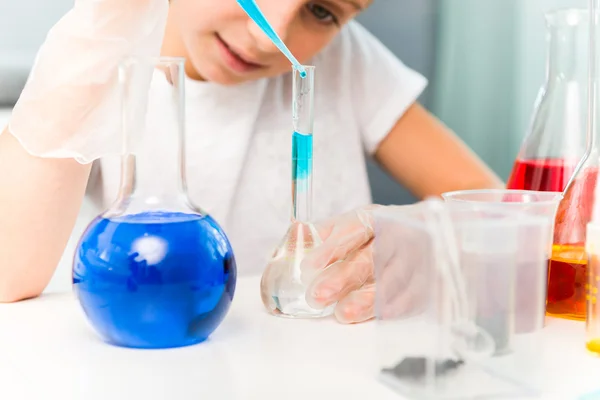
[[155, 280], [302, 154], [254, 12]]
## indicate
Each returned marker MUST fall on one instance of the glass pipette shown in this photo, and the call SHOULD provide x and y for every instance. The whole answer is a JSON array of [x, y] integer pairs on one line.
[[254, 12]]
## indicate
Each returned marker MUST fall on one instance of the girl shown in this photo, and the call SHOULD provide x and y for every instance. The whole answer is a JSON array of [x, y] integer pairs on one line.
[[238, 134]]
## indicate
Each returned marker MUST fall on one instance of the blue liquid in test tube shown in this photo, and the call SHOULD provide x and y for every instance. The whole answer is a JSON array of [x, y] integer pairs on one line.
[[302, 149]]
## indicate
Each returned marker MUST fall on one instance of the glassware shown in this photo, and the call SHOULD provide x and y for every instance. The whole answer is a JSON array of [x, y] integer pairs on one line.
[[437, 259], [154, 271], [255, 13], [284, 284], [592, 285], [559, 154], [567, 274], [556, 140], [534, 246]]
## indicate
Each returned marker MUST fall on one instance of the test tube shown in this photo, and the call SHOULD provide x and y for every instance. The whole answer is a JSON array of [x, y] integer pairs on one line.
[[302, 143], [284, 283]]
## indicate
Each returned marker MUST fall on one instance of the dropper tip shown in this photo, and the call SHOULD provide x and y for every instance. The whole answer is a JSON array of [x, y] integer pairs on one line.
[[301, 70]]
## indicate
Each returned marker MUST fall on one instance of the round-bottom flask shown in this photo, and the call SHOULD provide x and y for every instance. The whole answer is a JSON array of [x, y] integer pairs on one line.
[[153, 271]]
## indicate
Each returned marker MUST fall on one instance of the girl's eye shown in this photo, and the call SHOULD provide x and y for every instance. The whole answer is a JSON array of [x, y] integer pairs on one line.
[[321, 13]]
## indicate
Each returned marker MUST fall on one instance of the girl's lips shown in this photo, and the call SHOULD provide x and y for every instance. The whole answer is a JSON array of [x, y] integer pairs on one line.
[[234, 60]]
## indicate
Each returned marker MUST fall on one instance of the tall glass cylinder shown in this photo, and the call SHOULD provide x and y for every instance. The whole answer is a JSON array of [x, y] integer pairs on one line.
[[154, 271], [284, 283]]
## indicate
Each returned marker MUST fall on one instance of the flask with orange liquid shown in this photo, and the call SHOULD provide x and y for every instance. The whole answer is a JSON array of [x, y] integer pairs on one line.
[[558, 155], [592, 283]]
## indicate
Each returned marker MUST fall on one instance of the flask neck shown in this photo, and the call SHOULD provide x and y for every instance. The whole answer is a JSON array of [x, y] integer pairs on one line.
[[153, 178], [567, 50], [153, 166]]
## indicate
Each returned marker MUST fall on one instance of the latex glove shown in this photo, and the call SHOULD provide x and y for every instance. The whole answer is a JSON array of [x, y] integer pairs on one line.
[[346, 262], [70, 106]]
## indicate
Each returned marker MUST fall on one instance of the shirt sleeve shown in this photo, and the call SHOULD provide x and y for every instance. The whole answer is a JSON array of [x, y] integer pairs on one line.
[[382, 88]]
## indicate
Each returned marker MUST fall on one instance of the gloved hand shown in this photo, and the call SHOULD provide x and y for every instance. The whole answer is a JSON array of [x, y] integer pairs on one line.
[[354, 246], [70, 106]]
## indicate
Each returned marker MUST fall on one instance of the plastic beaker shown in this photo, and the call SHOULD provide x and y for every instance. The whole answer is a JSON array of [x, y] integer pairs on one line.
[[534, 243], [448, 288]]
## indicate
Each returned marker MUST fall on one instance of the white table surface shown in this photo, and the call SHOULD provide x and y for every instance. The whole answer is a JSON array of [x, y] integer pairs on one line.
[[48, 351]]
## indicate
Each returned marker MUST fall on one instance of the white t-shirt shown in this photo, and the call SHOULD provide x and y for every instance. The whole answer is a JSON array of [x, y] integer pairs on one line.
[[238, 142]]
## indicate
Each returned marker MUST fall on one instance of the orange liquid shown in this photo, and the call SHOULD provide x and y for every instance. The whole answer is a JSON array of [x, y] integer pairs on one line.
[[593, 305], [567, 282], [568, 265]]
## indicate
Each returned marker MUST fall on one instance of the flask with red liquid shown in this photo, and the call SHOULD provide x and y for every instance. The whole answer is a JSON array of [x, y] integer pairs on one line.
[[551, 154], [556, 140]]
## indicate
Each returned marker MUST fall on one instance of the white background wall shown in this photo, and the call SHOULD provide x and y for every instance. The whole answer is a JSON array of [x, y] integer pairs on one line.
[[532, 52], [23, 26]]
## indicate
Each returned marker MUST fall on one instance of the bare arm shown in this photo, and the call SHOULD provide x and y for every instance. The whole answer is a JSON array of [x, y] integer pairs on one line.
[[39, 202], [427, 158]]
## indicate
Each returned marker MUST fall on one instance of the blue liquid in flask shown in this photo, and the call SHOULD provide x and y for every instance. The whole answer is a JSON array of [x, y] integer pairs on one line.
[[155, 279]]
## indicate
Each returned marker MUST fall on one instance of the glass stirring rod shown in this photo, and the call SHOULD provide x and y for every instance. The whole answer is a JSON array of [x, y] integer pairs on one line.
[[251, 8]]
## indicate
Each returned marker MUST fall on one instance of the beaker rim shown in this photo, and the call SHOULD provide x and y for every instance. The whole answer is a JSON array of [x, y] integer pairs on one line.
[[533, 196]]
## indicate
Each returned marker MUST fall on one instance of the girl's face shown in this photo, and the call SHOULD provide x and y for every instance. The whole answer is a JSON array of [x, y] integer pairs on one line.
[[222, 44]]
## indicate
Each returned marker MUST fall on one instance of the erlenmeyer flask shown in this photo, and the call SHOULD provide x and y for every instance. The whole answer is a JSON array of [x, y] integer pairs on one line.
[[556, 140], [592, 341], [154, 271], [567, 272]]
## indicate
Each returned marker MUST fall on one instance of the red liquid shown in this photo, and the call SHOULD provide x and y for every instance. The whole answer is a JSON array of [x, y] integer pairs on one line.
[[546, 175]]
